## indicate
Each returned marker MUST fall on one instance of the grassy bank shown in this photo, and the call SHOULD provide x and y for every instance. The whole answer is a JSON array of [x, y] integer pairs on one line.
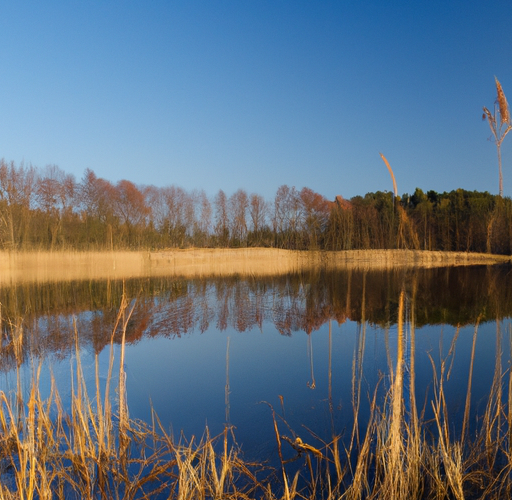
[[95, 451], [66, 266]]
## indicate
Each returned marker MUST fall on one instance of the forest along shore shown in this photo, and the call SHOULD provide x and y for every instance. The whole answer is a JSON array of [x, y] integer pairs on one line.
[[18, 267]]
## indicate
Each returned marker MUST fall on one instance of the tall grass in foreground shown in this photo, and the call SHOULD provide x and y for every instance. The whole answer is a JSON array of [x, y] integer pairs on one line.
[[95, 451]]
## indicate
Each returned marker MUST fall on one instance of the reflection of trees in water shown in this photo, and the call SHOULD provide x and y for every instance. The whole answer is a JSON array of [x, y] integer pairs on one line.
[[298, 302]]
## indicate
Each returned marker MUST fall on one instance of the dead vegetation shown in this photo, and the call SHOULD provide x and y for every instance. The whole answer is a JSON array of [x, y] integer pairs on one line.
[[95, 451], [40, 267]]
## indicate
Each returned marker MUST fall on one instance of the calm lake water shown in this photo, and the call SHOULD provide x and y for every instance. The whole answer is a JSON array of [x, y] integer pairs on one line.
[[211, 352]]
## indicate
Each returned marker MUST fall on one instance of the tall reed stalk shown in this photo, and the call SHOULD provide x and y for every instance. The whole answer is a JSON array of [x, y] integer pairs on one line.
[[500, 124]]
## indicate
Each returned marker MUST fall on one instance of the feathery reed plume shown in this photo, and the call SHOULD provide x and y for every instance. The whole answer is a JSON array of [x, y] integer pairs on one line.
[[503, 104], [395, 190]]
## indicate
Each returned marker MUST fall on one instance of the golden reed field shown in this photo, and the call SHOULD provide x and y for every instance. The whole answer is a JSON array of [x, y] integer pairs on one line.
[[66, 266]]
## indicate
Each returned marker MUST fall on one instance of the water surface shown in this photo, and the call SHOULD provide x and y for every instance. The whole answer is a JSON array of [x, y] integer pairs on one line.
[[311, 346]]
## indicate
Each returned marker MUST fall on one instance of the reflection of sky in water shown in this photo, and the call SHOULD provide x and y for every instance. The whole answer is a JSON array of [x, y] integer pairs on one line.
[[183, 377], [61, 370]]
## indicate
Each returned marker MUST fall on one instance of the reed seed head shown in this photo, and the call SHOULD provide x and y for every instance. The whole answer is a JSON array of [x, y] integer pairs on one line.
[[492, 122], [503, 104]]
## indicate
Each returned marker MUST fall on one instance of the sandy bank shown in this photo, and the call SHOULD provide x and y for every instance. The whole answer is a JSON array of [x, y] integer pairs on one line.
[[59, 266]]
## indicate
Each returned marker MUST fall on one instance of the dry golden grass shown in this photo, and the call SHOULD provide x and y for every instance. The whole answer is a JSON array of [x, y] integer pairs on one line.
[[97, 452], [16, 267]]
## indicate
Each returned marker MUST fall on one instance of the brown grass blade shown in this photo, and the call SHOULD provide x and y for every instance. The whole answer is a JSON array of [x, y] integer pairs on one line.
[[395, 190]]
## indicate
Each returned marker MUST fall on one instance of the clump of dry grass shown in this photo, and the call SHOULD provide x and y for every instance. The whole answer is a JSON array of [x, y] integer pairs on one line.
[[400, 455], [97, 451]]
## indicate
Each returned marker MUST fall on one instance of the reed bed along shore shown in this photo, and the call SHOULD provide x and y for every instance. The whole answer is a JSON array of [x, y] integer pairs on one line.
[[68, 266], [95, 451]]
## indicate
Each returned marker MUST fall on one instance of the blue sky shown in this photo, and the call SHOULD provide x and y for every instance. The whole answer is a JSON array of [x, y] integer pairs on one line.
[[254, 94]]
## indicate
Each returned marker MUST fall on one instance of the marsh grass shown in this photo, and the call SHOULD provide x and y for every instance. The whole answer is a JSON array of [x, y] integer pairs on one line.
[[400, 454], [44, 267], [96, 451]]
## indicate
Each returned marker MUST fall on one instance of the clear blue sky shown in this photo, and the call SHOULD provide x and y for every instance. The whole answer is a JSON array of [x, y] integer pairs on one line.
[[254, 94]]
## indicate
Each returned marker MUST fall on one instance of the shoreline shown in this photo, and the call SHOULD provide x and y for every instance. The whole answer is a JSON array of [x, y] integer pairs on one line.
[[23, 267]]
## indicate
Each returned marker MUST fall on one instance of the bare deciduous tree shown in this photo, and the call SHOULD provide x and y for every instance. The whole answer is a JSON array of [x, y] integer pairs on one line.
[[130, 208], [221, 218], [204, 218], [16, 197], [258, 213], [96, 196], [315, 216], [180, 214], [55, 195], [286, 217], [238, 204]]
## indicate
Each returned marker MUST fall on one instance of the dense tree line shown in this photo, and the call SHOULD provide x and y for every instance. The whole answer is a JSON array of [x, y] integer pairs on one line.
[[48, 209]]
